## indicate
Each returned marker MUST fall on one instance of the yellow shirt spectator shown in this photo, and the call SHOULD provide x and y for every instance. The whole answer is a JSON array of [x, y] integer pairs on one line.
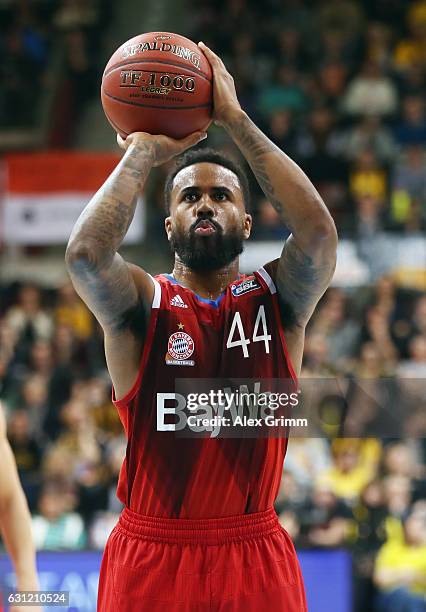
[[73, 312], [346, 485], [370, 182], [354, 466], [401, 562], [397, 555]]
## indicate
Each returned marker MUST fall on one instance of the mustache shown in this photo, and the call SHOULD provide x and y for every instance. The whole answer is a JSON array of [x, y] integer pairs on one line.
[[196, 223]]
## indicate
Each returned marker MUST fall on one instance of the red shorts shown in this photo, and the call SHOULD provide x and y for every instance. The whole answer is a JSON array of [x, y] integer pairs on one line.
[[234, 564]]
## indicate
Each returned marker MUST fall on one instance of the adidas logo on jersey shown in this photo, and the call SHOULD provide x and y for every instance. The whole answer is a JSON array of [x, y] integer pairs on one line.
[[178, 301]]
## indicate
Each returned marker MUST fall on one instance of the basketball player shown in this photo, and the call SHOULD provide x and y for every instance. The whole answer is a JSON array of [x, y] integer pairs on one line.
[[15, 521], [198, 531]]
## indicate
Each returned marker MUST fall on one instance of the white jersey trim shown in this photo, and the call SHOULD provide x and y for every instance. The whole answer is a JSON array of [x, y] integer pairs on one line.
[[268, 280], [156, 300]]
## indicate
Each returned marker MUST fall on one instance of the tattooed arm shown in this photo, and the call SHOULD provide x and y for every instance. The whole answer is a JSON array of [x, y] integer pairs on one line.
[[119, 294], [308, 259]]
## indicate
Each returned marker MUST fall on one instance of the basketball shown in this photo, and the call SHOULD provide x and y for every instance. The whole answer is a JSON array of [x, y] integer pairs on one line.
[[160, 83]]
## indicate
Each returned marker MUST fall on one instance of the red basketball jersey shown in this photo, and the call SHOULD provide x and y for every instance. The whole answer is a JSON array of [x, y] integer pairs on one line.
[[239, 335]]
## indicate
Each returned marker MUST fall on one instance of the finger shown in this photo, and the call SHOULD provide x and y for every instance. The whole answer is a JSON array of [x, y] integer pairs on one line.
[[193, 139], [211, 55], [121, 143], [189, 141]]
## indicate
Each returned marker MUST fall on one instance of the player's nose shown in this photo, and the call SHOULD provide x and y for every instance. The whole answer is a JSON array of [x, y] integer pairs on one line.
[[205, 206]]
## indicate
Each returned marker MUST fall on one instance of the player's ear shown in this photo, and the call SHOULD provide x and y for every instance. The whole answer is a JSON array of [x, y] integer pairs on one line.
[[248, 221], [168, 227]]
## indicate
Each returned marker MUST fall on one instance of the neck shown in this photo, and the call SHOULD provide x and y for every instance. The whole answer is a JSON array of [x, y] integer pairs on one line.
[[210, 284]]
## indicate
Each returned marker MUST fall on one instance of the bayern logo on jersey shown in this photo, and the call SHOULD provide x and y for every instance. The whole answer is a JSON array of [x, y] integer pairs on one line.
[[179, 348]]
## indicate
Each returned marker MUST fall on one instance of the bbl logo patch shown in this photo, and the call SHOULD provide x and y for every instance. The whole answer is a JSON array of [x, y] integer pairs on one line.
[[247, 285], [179, 348]]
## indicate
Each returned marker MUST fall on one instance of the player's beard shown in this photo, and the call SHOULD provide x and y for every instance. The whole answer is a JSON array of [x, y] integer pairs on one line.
[[207, 253]]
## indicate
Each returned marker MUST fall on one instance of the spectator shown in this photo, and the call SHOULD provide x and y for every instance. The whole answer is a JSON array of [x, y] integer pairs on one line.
[[409, 190], [377, 330], [92, 490], [101, 527], [318, 150], [297, 16], [57, 466], [342, 333], [115, 454], [348, 475], [285, 93], [378, 45], [80, 437], [290, 48], [27, 451], [367, 178], [398, 490], [411, 51], [28, 318], [371, 514], [326, 520], [419, 315], [341, 15], [104, 413], [370, 135], [400, 571], [35, 403], [399, 460], [70, 310], [55, 528], [269, 224], [281, 130], [415, 366], [371, 93], [18, 59], [411, 130], [316, 361], [337, 45], [75, 14], [332, 83], [369, 218], [306, 459], [369, 536]]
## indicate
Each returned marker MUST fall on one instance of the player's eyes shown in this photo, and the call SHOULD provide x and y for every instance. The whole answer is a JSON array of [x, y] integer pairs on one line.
[[190, 197], [220, 196]]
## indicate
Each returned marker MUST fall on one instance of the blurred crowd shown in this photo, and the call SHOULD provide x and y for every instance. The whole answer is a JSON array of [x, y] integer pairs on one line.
[[340, 86], [365, 491], [49, 47]]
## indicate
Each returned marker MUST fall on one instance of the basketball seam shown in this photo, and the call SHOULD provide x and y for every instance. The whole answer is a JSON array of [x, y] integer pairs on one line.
[[155, 61], [132, 103]]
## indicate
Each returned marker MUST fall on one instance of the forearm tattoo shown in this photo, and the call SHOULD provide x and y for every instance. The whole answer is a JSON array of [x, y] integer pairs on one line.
[[106, 219], [255, 146], [302, 282], [303, 273], [100, 275]]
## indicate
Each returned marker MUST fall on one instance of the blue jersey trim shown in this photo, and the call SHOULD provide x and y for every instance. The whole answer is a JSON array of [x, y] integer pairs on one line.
[[214, 303]]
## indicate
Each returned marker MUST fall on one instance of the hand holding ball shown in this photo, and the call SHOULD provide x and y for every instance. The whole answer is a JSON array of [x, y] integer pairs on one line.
[[160, 83]]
